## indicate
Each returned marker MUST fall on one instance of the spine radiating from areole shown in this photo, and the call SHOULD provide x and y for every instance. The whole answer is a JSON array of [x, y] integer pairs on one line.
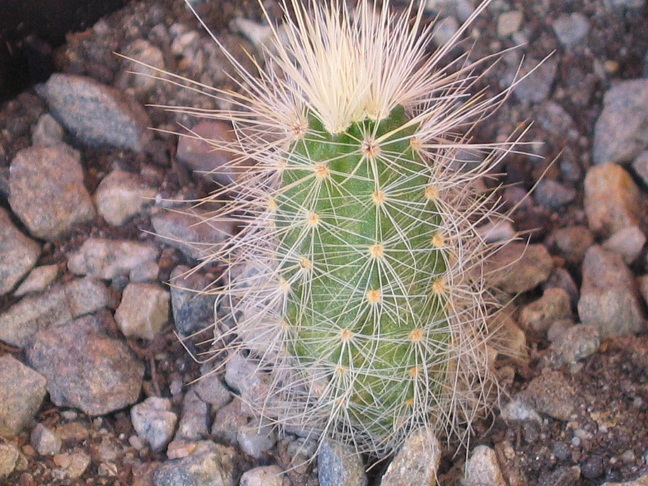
[[356, 278]]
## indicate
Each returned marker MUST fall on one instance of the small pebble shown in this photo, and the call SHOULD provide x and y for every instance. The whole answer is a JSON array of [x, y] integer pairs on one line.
[[154, 421], [551, 394], [107, 259], [143, 311], [47, 132], [209, 464], [627, 242], [538, 316], [570, 29], [9, 458], [572, 242], [509, 23], [255, 438], [264, 476], [192, 304], [120, 196], [45, 441], [37, 280], [194, 421], [518, 267]]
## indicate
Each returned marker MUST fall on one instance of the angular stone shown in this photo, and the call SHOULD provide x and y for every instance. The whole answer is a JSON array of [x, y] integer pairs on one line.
[[518, 267], [18, 254], [143, 311], [417, 461], [21, 393], [107, 259], [120, 196]]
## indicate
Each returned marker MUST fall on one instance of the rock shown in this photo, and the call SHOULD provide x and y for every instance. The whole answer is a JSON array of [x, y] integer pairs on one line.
[[519, 411], [227, 422], [553, 194], [135, 76], [416, 462], [209, 465], [627, 242], [37, 280], [552, 395], [146, 272], [508, 338], [154, 421], [612, 199], [9, 459], [570, 29], [33, 313], [572, 242], [518, 267], [47, 191], [199, 151], [608, 295], [86, 369], [191, 232], [256, 437], [560, 278], [211, 390], [194, 421], [120, 196], [96, 114], [536, 87], [538, 316], [496, 231], [509, 23], [640, 481], [47, 132], [71, 465], [18, 254], [192, 304], [640, 166], [621, 131], [107, 259], [143, 311], [21, 393], [86, 295], [483, 469], [45, 441], [264, 476], [339, 465], [574, 344]]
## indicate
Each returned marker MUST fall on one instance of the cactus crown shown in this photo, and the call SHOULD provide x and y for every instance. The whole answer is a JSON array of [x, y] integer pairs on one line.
[[356, 276]]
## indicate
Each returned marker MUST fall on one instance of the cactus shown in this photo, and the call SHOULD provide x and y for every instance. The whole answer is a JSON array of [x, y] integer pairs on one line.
[[356, 279]]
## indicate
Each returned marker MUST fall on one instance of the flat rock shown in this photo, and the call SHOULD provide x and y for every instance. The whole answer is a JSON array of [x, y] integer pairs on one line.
[[191, 232], [621, 131], [121, 195], [18, 254], [33, 313], [612, 199], [96, 114], [518, 267], [21, 393], [340, 465], [608, 295], [86, 369], [417, 461], [143, 311], [209, 465], [47, 191], [107, 259]]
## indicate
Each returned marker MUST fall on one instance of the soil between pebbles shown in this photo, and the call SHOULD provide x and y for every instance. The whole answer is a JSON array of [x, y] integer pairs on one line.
[[81, 266]]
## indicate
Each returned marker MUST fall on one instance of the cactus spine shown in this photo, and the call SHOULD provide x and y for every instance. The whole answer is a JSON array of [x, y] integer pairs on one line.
[[355, 279]]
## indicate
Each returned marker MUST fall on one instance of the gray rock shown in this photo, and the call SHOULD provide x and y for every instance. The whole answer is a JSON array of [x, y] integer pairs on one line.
[[37, 280], [135, 76], [121, 195], [86, 295], [339, 465], [211, 390], [560, 278], [496, 231], [192, 305], [244, 377], [264, 476], [146, 272], [552, 117], [621, 131], [191, 232], [612, 199], [417, 461], [154, 421], [627, 242], [47, 132], [572, 242], [640, 166], [536, 87], [143, 311], [553, 194], [45, 440], [86, 369], [47, 191], [483, 469], [519, 411], [18, 254], [518, 267], [570, 29], [209, 465], [551, 394], [194, 421], [107, 259], [21, 393], [509, 23], [608, 295], [33, 313], [96, 114], [228, 420], [538, 316], [256, 437], [574, 344]]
